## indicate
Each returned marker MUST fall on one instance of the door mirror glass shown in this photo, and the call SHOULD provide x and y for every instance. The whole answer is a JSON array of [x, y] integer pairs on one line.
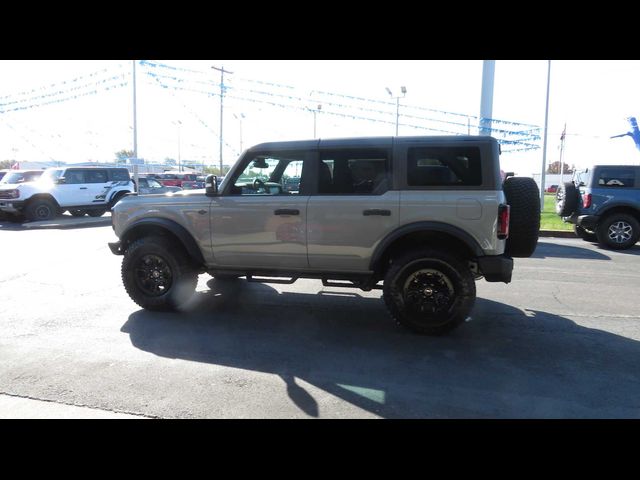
[[211, 185]]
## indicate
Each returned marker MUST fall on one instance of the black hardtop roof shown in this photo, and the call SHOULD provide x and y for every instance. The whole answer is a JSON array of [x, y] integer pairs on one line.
[[369, 141]]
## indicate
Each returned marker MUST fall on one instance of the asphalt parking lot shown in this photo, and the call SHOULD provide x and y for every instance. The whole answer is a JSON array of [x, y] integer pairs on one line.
[[561, 341]]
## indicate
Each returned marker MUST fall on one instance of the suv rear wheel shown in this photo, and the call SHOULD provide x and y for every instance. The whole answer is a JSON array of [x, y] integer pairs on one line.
[[429, 291], [97, 213], [157, 274], [618, 231], [583, 233]]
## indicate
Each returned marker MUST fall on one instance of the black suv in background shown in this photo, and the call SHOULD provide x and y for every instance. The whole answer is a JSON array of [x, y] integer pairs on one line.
[[603, 203]]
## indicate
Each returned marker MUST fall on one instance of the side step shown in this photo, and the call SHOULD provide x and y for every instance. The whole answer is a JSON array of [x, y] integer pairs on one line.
[[251, 278], [349, 284]]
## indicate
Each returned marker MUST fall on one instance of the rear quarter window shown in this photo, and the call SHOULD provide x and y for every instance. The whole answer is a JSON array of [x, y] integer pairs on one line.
[[444, 166], [120, 175], [615, 177]]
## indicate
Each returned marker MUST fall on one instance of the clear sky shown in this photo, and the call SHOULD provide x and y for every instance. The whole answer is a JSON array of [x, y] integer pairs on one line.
[[177, 116]]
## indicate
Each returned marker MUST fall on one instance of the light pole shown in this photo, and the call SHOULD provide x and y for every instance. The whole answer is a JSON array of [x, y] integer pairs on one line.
[[404, 92], [178, 123]]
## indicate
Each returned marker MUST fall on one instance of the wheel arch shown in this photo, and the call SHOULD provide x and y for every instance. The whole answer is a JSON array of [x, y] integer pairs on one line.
[[43, 196], [621, 208], [165, 228], [434, 234], [116, 195]]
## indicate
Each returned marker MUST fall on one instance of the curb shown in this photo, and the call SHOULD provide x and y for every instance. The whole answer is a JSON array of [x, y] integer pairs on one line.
[[557, 234], [62, 223]]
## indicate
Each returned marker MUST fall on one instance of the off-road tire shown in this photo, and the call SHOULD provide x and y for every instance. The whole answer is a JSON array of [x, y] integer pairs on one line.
[[148, 255], [567, 198], [41, 209], [586, 235], [523, 196], [429, 276], [618, 231]]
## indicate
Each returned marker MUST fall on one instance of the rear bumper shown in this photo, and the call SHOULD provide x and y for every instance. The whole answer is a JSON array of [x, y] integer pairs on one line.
[[588, 221], [585, 221], [496, 268]]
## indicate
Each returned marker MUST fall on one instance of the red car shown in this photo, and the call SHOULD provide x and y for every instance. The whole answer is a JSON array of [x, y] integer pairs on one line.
[[171, 179], [552, 189]]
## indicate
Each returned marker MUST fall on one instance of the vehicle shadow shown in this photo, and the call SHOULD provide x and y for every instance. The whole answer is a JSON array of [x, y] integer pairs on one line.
[[546, 249], [505, 363]]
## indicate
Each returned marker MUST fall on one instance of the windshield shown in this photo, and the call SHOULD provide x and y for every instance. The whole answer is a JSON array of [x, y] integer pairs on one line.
[[51, 174], [20, 177]]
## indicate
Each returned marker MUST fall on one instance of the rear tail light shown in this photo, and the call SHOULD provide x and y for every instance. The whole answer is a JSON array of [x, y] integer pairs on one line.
[[586, 200], [504, 212]]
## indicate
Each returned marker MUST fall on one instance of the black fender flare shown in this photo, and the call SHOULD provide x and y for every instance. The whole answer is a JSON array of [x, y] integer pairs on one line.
[[619, 205], [110, 202], [171, 226], [439, 227]]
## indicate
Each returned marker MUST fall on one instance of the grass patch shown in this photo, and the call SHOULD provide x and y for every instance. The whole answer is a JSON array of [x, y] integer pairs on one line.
[[549, 220]]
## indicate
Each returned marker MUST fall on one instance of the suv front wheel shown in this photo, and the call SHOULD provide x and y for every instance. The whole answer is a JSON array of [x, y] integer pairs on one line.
[[157, 274], [618, 231], [429, 291], [40, 209]]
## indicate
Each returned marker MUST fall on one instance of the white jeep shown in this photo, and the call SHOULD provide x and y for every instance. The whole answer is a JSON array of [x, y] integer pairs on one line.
[[80, 190]]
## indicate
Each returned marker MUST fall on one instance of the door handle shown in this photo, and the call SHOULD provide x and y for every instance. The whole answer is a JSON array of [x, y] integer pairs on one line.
[[287, 211], [377, 211], [83, 188]]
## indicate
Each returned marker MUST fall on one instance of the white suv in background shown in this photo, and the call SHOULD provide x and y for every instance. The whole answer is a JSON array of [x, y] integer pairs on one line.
[[80, 190]]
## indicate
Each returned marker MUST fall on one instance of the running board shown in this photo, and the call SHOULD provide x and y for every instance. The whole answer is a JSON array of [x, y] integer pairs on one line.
[[251, 278], [348, 284]]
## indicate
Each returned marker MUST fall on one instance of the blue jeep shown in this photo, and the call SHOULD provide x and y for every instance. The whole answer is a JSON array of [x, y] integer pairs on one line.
[[603, 203]]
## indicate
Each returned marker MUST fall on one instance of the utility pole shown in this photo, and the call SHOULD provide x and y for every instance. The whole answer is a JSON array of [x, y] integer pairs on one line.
[[135, 129], [404, 92], [562, 137], [314, 120], [222, 72], [544, 143]]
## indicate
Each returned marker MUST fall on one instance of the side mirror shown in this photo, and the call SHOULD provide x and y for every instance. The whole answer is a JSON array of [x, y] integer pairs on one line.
[[211, 186], [61, 180]]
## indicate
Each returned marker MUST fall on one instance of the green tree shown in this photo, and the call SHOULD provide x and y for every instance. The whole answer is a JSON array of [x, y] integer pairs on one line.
[[123, 155], [554, 167]]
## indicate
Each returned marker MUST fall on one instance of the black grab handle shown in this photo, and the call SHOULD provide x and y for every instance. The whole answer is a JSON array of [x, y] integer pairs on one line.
[[287, 211], [377, 211]]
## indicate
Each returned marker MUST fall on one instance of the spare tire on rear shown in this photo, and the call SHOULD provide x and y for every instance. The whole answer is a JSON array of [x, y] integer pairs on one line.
[[523, 196], [567, 198]]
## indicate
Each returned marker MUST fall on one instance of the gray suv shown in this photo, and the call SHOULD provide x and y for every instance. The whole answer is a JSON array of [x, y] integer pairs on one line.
[[420, 218]]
